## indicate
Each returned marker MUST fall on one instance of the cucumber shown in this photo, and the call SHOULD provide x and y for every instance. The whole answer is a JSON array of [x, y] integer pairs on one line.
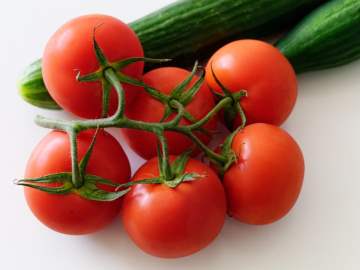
[[32, 88], [328, 37], [188, 30]]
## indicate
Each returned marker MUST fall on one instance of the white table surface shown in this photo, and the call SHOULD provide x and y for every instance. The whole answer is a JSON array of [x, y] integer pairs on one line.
[[321, 232]]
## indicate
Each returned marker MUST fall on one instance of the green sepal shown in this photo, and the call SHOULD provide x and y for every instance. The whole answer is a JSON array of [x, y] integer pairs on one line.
[[227, 151], [156, 94], [66, 188], [185, 98], [150, 90], [155, 180], [59, 178], [99, 75], [125, 62], [178, 168], [180, 88], [89, 190], [217, 96], [229, 117], [85, 160], [167, 113], [178, 165], [100, 56], [100, 180], [188, 96], [129, 80], [182, 178], [222, 87], [91, 77], [230, 114]]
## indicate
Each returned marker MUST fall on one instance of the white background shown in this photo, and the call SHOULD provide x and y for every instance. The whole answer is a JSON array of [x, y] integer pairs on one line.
[[321, 232]]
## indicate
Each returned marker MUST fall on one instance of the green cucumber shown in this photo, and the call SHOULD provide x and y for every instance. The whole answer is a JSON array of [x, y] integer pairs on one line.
[[188, 29], [191, 29], [32, 88], [328, 37]]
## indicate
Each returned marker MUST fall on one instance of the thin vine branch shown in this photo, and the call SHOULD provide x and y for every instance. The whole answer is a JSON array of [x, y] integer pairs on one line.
[[123, 122], [119, 120]]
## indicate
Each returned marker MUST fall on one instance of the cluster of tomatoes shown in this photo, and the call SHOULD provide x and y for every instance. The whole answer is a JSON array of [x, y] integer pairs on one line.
[[259, 187]]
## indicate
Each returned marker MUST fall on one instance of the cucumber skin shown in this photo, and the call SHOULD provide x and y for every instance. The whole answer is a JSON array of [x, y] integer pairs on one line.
[[32, 88], [187, 30], [190, 37], [326, 38]]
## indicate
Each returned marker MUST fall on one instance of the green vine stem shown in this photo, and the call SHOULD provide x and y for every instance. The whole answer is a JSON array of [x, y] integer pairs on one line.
[[106, 87], [76, 175], [111, 76], [170, 173], [121, 121]]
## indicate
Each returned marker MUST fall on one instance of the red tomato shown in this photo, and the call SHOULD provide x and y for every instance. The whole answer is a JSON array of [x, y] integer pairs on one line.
[[265, 182], [148, 109], [171, 223], [70, 213], [70, 50], [262, 71]]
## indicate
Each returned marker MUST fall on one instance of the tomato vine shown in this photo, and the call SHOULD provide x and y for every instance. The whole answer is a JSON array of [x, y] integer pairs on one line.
[[170, 174]]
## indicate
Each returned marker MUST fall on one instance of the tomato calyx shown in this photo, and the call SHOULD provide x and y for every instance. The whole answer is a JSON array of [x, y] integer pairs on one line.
[[181, 95], [234, 109], [62, 179], [177, 168], [87, 185], [61, 183], [100, 74], [77, 181], [228, 152]]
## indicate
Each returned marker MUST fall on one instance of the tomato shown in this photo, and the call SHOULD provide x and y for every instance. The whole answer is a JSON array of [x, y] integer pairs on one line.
[[70, 213], [265, 182], [261, 70], [148, 109], [70, 50], [171, 223]]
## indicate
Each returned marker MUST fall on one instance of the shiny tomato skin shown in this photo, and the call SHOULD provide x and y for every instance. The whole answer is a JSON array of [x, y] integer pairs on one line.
[[70, 50], [265, 182], [172, 223], [261, 70], [148, 109], [70, 213]]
